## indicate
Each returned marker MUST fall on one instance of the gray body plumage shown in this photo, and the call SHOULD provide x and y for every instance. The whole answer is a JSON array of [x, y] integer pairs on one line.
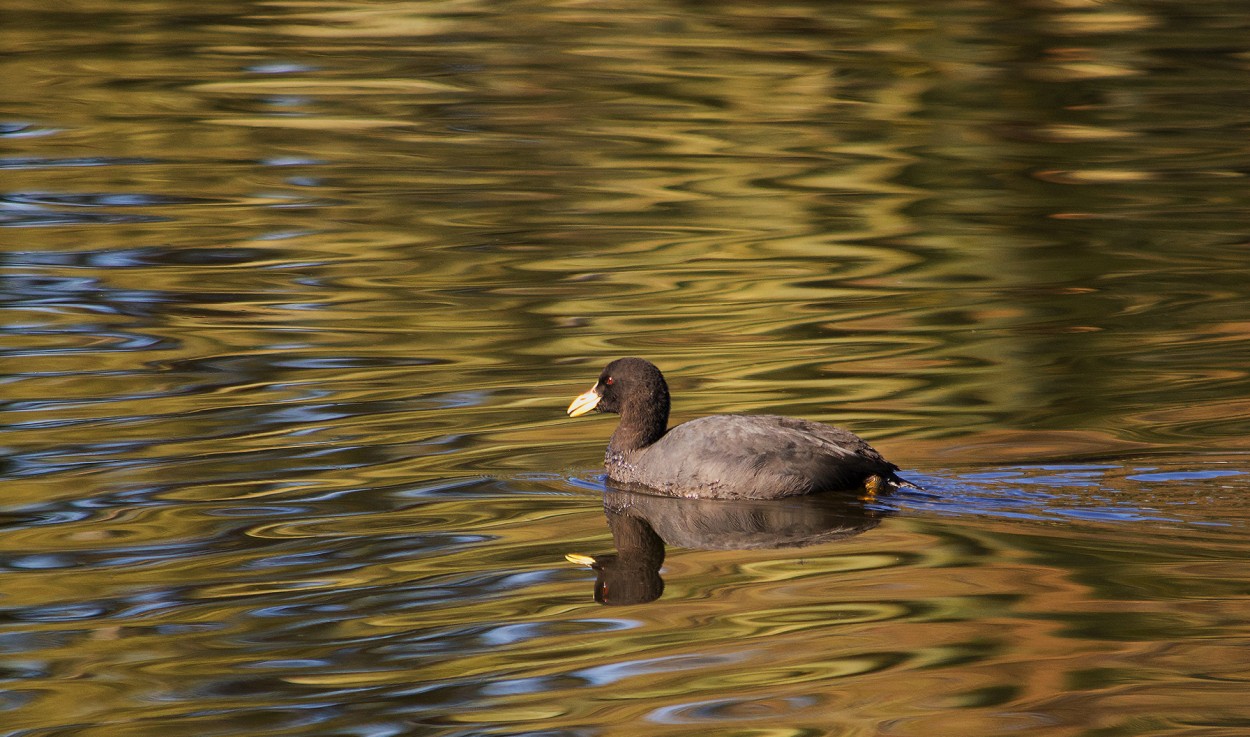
[[723, 456], [749, 457]]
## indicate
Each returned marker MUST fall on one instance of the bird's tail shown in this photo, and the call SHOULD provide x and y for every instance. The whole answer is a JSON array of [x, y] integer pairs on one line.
[[903, 483]]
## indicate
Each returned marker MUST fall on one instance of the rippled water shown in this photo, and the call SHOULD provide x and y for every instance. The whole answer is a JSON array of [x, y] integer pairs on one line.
[[295, 295]]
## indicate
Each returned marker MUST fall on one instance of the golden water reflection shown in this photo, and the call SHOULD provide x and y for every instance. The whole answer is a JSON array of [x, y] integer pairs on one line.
[[1053, 610], [294, 292]]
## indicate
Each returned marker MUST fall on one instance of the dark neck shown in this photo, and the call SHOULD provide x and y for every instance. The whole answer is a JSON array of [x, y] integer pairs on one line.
[[642, 423], [632, 576], [634, 538]]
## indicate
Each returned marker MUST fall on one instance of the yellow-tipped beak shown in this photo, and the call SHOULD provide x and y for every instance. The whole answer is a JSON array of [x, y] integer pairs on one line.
[[584, 403], [579, 559]]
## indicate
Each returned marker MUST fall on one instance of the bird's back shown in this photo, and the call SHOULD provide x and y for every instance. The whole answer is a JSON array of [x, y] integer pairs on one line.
[[753, 457]]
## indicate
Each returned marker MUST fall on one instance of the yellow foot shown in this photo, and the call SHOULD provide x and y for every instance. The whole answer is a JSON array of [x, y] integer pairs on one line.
[[873, 485]]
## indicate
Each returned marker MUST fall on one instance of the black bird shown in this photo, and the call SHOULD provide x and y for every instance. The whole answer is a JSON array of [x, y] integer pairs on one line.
[[724, 456]]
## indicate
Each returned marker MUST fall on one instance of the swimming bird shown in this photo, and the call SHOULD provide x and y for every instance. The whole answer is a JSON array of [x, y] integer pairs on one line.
[[723, 456]]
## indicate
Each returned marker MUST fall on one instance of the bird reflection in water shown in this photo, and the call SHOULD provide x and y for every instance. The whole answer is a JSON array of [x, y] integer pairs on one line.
[[642, 524]]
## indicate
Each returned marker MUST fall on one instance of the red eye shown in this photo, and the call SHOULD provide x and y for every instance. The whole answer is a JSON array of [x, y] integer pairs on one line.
[[608, 381]]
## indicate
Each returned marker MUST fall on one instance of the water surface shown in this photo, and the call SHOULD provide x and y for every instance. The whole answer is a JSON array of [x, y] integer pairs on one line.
[[295, 294]]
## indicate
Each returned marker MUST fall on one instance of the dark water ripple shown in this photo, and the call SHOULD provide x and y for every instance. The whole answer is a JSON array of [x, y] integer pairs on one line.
[[46, 163], [142, 257], [342, 620]]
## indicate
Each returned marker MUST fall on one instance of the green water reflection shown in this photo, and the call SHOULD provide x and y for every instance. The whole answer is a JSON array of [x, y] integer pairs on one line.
[[295, 295]]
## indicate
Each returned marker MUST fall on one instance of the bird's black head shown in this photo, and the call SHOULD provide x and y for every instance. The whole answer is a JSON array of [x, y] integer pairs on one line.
[[635, 389]]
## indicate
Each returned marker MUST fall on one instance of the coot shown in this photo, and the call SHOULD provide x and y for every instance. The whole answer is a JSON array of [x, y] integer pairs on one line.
[[723, 456]]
